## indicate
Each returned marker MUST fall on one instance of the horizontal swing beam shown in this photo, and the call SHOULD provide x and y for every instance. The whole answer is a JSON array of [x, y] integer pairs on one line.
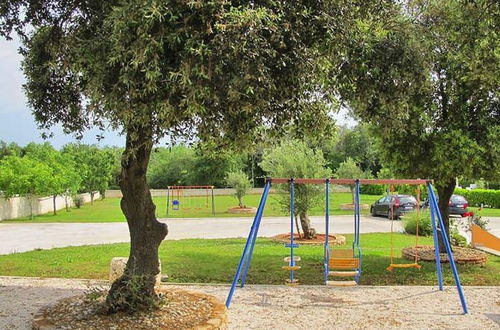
[[352, 181]]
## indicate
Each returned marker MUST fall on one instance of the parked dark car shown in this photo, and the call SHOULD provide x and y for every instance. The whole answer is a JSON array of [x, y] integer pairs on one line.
[[399, 204], [457, 205]]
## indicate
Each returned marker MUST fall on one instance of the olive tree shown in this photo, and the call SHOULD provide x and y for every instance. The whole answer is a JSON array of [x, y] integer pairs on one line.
[[426, 75], [241, 184], [294, 159], [149, 68]]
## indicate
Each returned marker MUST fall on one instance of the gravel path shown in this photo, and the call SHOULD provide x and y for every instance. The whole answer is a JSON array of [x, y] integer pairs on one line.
[[280, 307]]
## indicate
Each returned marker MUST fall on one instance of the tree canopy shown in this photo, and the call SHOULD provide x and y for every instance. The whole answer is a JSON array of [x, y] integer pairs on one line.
[[427, 77], [294, 159]]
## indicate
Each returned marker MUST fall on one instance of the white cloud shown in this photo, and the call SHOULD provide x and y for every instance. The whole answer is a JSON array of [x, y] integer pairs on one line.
[[12, 98]]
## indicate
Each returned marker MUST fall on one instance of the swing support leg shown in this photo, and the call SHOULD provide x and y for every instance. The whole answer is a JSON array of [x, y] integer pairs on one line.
[[246, 256], [444, 235]]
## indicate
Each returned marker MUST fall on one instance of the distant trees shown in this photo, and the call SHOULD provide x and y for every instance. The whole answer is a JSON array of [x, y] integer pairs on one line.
[[25, 177], [64, 179], [95, 166], [350, 170], [295, 159], [181, 165]]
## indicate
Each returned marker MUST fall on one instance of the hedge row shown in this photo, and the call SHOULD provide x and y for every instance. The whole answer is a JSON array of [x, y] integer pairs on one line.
[[476, 197]]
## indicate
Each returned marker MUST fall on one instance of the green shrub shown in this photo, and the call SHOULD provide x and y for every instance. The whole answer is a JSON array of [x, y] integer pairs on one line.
[[457, 239], [78, 201], [424, 223], [407, 189], [478, 197], [372, 189]]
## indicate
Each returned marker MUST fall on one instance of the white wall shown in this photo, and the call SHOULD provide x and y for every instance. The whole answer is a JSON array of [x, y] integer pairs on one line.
[[217, 191], [18, 207]]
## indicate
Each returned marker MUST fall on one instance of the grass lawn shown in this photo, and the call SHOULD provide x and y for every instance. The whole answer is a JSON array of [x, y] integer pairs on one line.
[[214, 261], [108, 210]]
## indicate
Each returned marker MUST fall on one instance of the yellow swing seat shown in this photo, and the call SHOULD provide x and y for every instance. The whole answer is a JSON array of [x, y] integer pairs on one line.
[[412, 265]]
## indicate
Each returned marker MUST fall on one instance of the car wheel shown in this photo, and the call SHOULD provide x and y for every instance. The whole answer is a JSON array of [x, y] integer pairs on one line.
[[372, 211]]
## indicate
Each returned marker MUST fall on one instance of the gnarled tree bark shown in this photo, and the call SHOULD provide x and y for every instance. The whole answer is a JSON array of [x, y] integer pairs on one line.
[[444, 193], [309, 232], [146, 232]]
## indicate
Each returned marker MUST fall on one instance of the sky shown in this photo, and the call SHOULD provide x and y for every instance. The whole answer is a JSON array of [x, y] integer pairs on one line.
[[17, 123]]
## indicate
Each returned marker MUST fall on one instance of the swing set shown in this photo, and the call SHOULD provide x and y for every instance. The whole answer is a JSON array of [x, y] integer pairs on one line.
[[190, 197], [345, 262]]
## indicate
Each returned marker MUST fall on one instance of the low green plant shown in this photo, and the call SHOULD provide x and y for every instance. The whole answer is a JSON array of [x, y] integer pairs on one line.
[[457, 239], [78, 201], [131, 297], [424, 223]]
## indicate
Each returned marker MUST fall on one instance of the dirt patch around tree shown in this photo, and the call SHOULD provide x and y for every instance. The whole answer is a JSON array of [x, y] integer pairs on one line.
[[460, 254], [319, 239], [242, 210], [180, 310]]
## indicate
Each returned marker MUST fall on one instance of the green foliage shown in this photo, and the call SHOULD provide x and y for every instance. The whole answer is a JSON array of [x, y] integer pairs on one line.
[[416, 73], [174, 166], [350, 170], [183, 166], [25, 177], [457, 239], [294, 159], [240, 182], [11, 149], [478, 197], [357, 143], [372, 189], [95, 166], [78, 201], [424, 223], [64, 178], [131, 297]]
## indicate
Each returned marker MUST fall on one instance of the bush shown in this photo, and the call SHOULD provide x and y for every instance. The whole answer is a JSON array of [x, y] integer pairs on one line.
[[424, 223], [78, 201], [372, 189], [457, 239], [478, 197]]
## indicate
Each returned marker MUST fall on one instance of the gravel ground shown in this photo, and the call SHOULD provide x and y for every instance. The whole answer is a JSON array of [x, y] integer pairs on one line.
[[280, 307]]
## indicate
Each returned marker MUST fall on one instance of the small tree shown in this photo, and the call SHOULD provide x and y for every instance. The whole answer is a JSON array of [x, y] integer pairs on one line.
[[295, 159], [95, 165], [349, 170], [23, 176], [240, 182], [64, 179]]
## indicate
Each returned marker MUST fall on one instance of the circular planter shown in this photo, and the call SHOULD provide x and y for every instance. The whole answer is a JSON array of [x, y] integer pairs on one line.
[[460, 255], [319, 239], [242, 210], [72, 312]]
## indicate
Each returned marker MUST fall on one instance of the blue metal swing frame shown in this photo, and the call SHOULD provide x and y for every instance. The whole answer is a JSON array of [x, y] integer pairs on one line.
[[436, 221]]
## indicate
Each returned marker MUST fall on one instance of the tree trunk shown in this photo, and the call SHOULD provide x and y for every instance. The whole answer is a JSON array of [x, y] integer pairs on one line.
[[444, 194], [297, 224], [240, 202], [352, 193], [135, 289], [54, 204], [308, 231], [30, 198], [91, 198]]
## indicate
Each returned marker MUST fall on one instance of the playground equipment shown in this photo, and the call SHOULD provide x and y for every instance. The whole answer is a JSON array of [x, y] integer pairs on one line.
[[190, 197], [341, 262], [414, 264]]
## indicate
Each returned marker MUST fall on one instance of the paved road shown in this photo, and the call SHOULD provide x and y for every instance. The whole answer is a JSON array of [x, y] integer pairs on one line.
[[17, 237]]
